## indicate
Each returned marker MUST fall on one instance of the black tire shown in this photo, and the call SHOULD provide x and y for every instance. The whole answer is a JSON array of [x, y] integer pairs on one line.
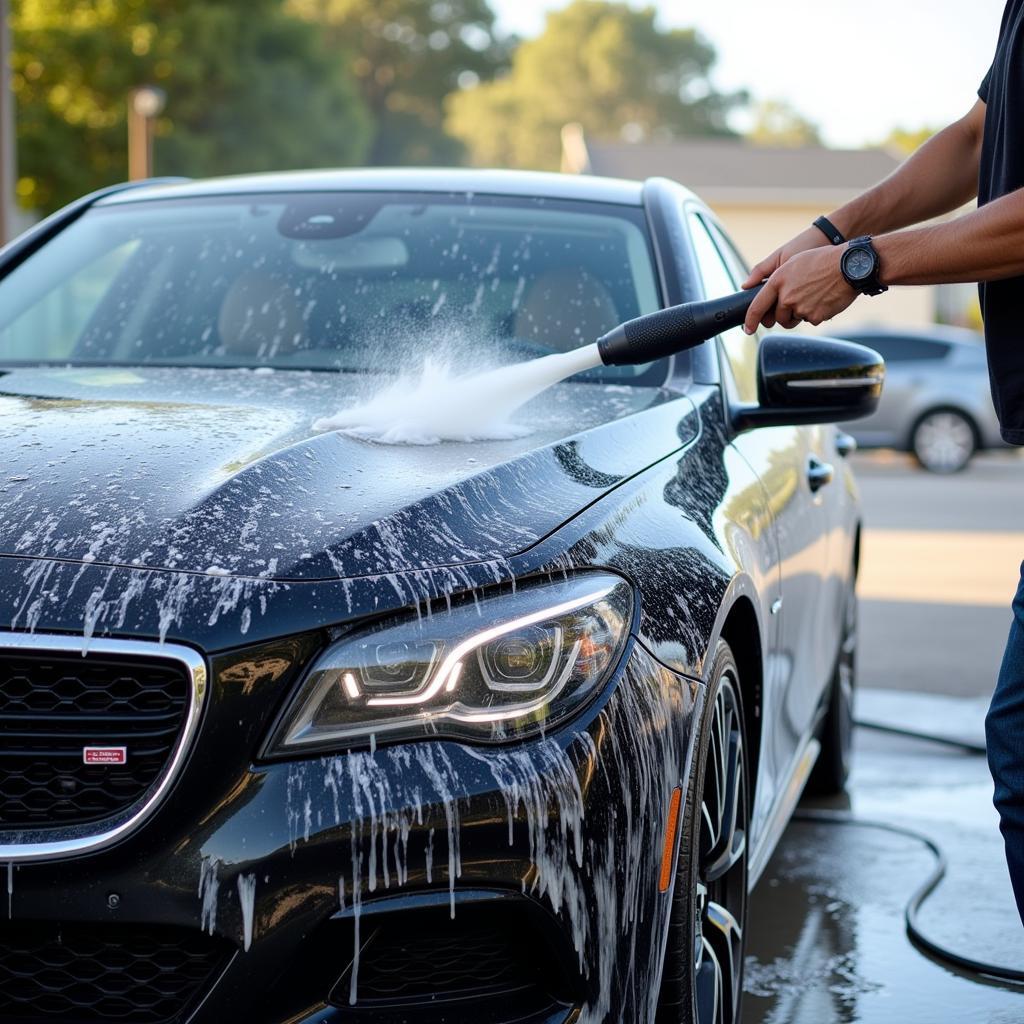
[[702, 982], [944, 441], [832, 769]]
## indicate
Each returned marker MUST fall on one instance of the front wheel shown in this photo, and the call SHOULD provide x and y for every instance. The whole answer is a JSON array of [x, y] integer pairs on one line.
[[703, 974], [944, 441]]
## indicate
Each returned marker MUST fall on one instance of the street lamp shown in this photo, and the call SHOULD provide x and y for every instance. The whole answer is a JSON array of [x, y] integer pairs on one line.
[[144, 106]]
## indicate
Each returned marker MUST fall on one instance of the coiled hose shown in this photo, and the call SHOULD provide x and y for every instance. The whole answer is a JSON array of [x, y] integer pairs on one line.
[[914, 932]]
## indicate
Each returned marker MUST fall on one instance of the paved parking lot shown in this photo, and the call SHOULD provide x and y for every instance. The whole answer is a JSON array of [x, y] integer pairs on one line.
[[941, 562]]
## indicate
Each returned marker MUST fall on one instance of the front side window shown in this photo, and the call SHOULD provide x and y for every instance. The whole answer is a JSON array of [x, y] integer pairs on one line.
[[740, 350], [330, 281]]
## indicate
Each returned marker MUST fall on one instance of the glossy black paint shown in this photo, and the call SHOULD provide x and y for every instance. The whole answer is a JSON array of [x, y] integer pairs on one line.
[[808, 380], [125, 510]]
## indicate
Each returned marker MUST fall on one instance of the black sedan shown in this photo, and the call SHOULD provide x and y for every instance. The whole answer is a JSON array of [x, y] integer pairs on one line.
[[300, 726]]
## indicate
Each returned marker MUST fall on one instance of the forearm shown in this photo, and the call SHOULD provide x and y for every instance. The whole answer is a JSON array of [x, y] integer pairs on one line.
[[985, 245], [940, 177]]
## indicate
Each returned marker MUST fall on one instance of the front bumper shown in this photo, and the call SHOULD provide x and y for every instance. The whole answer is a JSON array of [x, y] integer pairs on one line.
[[528, 870]]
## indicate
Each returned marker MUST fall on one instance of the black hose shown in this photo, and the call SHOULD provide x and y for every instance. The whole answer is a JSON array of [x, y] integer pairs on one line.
[[916, 935], [967, 746]]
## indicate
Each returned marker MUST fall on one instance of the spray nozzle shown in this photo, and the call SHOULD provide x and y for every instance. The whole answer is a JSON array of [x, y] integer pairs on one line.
[[673, 330]]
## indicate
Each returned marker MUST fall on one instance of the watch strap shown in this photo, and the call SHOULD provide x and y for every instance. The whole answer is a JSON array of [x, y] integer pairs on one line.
[[830, 231]]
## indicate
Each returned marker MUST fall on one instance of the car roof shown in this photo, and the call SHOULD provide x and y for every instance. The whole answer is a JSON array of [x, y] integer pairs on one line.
[[528, 184], [935, 332]]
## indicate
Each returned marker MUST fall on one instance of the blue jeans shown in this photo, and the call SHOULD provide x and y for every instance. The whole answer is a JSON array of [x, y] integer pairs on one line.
[[1004, 733]]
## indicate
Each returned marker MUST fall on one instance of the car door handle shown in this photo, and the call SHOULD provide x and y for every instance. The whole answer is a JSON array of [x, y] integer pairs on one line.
[[819, 473], [845, 444]]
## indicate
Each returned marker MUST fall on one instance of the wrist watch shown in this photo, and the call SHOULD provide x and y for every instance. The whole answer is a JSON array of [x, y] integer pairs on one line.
[[862, 268]]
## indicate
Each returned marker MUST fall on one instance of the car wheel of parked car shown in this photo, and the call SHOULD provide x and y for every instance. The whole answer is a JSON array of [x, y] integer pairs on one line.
[[832, 769], [944, 441], [703, 974]]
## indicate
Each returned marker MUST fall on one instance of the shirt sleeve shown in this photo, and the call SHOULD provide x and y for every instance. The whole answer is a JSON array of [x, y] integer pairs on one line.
[[983, 88]]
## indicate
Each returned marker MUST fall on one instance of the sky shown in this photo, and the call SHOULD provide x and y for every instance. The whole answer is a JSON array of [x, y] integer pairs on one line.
[[857, 68]]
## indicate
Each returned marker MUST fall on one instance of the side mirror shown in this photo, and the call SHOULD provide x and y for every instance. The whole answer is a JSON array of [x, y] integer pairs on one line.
[[803, 379]]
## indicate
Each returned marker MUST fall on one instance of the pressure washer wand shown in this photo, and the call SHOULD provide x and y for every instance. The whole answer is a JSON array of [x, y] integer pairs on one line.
[[673, 330]]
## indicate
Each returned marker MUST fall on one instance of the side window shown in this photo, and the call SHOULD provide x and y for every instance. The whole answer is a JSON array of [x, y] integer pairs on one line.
[[909, 350], [740, 349], [904, 348]]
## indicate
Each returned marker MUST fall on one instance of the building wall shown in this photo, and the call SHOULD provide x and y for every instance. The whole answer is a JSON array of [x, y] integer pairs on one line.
[[758, 229]]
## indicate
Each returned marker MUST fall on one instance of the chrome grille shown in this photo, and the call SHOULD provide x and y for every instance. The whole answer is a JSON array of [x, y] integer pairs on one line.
[[88, 741]]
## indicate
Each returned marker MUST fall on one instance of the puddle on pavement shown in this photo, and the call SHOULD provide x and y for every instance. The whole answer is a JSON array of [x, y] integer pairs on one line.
[[827, 943]]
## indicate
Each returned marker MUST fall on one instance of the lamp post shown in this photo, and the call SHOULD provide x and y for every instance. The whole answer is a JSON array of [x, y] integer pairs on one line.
[[7, 165], [144, 106]]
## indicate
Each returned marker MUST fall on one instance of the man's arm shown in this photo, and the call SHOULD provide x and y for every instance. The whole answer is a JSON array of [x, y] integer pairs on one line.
[[940, 177], [984, 245]]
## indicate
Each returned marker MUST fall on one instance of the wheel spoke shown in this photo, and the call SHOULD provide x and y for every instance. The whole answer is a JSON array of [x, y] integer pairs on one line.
[[724, 936], [724, 922], [730, 839], [709, 988], [728, 858]]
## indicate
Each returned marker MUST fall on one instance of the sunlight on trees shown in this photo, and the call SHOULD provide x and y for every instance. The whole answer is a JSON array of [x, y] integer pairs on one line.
[[776, 123], [606, 66], [248, 88]]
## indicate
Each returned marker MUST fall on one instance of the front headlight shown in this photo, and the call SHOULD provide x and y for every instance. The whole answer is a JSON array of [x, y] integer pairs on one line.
[[501, 667]]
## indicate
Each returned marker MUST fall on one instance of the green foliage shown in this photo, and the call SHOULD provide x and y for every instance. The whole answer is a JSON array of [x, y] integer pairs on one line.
[[407, 55], [607, 66], [248, 88], [906, 141], [776, 123]]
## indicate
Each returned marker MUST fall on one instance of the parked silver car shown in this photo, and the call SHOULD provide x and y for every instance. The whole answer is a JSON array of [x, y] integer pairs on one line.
[[937, 403]]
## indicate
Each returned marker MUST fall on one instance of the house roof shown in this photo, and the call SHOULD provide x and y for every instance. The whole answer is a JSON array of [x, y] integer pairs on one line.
[[737, 168]]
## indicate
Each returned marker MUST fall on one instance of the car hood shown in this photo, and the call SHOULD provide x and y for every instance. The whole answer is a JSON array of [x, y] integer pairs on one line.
[[220, 472]]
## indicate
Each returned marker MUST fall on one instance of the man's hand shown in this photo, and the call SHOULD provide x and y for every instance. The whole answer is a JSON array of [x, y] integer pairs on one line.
[[809, 287], [812, 238]]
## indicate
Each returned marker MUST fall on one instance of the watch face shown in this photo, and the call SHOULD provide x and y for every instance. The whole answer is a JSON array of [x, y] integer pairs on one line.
[[858, 264]]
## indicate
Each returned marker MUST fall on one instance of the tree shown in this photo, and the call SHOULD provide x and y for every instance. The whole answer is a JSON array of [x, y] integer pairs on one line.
[[248, 88], [776, 123], [608, 67], [905, 141], [407, 56]]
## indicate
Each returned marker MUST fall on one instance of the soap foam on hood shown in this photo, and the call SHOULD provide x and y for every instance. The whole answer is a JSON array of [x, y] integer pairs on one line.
[[441, 405]]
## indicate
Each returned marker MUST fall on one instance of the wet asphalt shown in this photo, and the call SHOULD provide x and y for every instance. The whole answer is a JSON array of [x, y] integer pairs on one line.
[[828, 944], [827, 941]]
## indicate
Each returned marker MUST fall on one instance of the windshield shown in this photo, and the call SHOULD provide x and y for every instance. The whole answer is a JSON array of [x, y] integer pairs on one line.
[[330, 281]]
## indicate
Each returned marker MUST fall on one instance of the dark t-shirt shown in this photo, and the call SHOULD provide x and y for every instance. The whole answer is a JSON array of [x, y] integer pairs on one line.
[[1002, 172]]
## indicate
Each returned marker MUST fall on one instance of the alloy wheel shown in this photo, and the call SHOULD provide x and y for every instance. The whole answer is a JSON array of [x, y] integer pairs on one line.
[[721, 887], [944, 442]]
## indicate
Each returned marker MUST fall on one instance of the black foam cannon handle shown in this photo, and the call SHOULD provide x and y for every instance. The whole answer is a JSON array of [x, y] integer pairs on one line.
[[673, 330]]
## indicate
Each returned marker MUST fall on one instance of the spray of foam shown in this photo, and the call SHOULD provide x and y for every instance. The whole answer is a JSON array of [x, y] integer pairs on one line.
[[440, 405]]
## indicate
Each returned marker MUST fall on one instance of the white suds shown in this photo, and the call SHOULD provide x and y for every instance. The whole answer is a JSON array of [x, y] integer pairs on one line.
[[441, 405], [209, 884], [247, 898]]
